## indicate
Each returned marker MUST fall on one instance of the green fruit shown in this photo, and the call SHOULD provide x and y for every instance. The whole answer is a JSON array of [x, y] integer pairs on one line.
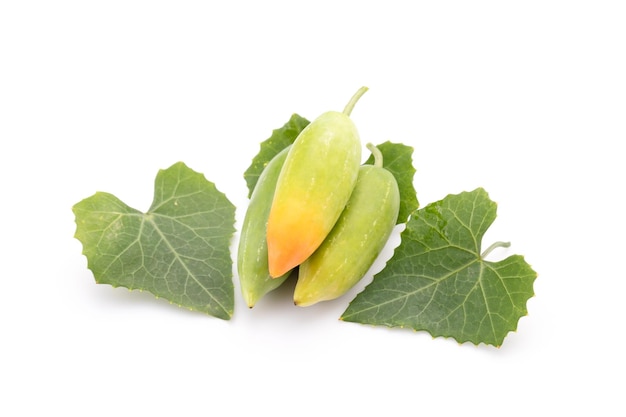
[[313, 188], [254, 277], [356, 240]]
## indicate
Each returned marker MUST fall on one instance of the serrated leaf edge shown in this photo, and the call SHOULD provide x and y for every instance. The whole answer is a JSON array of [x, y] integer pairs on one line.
[[460, 341], [228, 313]]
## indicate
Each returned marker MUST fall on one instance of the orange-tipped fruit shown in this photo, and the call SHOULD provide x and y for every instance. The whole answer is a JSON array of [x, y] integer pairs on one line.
[[313, 188], [293, 234]]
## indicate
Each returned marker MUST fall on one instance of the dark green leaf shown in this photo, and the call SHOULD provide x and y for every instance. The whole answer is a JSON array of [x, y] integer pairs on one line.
[[438, 281], [178, 250], [280, 139]]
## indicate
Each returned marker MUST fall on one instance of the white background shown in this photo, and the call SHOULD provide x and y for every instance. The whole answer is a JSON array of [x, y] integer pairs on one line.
[[526, 99]]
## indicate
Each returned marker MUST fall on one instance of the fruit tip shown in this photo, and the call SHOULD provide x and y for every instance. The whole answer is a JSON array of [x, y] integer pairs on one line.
[[299, 302]]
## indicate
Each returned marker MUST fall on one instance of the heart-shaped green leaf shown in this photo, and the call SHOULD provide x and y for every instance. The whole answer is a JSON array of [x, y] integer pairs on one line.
[[439, 281], [178, 250]]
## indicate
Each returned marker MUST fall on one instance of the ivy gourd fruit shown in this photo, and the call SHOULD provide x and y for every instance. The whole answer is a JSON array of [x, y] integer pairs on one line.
[[357, 239], [254, 277], [313, 187]]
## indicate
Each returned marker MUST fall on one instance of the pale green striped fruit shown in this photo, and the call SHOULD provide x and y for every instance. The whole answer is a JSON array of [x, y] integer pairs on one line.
[[254, 276], [355, 241]]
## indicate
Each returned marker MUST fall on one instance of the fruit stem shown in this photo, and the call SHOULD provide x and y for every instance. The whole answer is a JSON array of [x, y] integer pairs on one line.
[[378, 156], [493, 246], [348, 109]]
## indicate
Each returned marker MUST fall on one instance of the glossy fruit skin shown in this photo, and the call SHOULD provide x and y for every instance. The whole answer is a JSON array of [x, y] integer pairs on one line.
[[312, 190], [355, 242], [254, 277]]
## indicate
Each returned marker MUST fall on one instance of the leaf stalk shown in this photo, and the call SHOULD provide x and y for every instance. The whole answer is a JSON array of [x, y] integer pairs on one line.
[[494, 246]]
